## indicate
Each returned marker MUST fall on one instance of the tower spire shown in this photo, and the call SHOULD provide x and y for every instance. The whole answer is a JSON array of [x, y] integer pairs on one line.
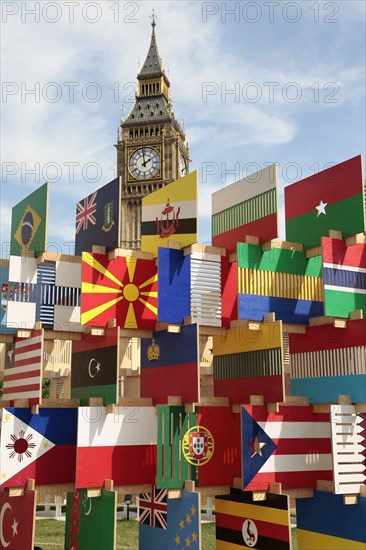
[[153, 65]]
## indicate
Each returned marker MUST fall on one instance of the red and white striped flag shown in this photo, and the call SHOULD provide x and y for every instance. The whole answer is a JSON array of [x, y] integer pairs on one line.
[[23, 372]]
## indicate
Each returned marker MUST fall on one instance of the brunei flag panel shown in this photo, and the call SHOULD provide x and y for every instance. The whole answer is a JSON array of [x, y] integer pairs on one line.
[[344, 273], [242, 522], [17, 520], [324, 521], [170, 214], [331, 199], [29, 223], [246, 207], [124, 289]]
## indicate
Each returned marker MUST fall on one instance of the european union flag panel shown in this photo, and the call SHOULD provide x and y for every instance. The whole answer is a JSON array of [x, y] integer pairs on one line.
[[17, 520], [38, 446]]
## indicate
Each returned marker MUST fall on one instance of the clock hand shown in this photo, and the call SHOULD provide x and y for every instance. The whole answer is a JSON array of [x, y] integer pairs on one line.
[[143, 155]]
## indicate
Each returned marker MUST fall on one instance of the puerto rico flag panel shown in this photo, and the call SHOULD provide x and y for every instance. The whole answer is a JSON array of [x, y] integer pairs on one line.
[[17, 520], [90, 522], [344, 273], [324, 521], [170, 214], [119, 446], [38, 446], [23, 370], [331, 199], [279, 280], [243, 522], [169, 365], [98, 219], [292, 447], [248, 362], [124, 289], [174, 286], [246, 207], [95, 364], [328, 361]]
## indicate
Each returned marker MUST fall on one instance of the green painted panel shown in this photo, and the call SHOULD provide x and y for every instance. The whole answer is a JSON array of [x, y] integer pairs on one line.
[[339, 304], [108, 392]]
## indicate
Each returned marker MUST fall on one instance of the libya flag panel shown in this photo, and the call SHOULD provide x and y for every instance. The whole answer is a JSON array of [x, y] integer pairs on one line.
[[95, 364], [17, 520], [170, 214], [29, 223], [243, 522], [90, 521], [331, 199], [124, 288], [98, 219]]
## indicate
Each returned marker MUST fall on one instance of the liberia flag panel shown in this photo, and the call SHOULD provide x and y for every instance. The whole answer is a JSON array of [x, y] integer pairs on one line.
[[17, 520], [38, 446], [170, 214], [344, 273], [123, 288], [292, 447], [23, 370], [119, 446], [174, 286], [90, 521], [95, 364], [248, 207], [325, 521], [98, 219], [172, 358], [330, 200], [243, 522]]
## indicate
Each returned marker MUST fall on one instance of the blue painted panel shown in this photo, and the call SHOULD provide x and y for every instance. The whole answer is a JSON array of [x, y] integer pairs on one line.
[[173, 286], [327, 388], [289, 310]]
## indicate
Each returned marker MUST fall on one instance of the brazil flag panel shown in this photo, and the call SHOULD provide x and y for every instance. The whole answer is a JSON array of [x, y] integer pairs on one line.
[[242, 522], [29, 223]]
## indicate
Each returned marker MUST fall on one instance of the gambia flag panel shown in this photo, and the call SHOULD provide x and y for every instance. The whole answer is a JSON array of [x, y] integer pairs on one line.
[[243, 522], [170, 214], [332, 199], [17, 520], [292, 446], [344, 273], [248, 207], [123, 288]]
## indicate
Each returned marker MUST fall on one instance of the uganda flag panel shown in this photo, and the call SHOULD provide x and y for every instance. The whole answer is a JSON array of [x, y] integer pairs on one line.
[[29, 223], [170, 214], [344, 273], [95, 364], [332, 199], [98, 219], [249, 362], [248, 207], [328, 361], [324, 521], [119, 446], [38, 446], [17, 520], [169, 365], [292, 447], [124, 289], [174, 286], [242, 522], [90, 521]]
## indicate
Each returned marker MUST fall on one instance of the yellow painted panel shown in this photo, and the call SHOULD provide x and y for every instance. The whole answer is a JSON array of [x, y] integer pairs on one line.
[[308, 540], [260, 513], [151, 243], [224, 545], [183, 189], [241, 339]]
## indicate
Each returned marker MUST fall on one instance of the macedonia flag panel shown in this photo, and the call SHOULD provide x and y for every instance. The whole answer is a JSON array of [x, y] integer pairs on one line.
[[125, 289]]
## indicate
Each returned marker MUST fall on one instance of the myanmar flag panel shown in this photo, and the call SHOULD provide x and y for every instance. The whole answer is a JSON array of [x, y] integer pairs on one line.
[[17, 520], [331, 199], [29, 223], [169, 365], [242, 522]]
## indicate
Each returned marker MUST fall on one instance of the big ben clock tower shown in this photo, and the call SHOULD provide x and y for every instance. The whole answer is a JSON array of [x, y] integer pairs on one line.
[[151, 147]]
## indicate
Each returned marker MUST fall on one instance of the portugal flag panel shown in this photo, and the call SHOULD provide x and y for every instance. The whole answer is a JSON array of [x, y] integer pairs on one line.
[[331, 199], [124, 289], [242, 522], [17, 520]]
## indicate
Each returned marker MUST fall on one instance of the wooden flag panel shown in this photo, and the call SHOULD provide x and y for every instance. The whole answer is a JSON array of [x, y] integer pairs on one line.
[[206, 289], [17, 520], [174, 286]]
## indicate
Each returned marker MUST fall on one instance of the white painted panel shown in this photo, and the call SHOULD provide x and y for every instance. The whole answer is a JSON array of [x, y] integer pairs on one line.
[[206, 292], [22, 269], [21, 314], [67, 318], [68, 274]]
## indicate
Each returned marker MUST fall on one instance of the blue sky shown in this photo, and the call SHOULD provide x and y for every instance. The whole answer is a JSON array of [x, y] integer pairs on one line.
[[295, 69]]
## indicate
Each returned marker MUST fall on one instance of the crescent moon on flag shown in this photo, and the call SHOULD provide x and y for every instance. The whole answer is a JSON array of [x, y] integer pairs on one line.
[[90, 508], [5, 507], [89, 371]]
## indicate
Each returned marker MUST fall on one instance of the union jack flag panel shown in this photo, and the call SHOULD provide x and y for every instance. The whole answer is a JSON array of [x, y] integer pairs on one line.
[[153, 508], [85, 210]]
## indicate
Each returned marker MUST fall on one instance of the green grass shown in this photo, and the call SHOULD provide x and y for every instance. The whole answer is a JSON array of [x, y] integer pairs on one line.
[[50, 535]]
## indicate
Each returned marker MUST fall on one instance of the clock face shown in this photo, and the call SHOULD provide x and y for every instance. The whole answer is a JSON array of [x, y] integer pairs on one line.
[[144, 163], [182, 165]]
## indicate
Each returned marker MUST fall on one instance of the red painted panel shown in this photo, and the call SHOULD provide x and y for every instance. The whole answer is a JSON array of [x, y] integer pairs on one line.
[[326, 337], [264, 228], [229, 289]]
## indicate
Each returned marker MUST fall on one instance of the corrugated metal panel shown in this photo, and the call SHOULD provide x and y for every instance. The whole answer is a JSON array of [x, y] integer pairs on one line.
[[206, 292], [333, 362]]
